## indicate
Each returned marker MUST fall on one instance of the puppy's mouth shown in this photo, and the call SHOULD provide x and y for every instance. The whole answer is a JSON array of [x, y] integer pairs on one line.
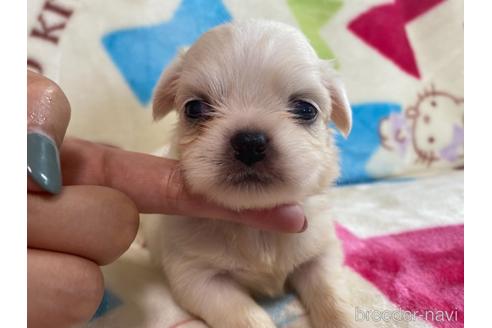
[[249, 177]]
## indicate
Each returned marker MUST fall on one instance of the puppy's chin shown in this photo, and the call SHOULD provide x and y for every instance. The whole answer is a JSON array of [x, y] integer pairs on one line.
[[248, 192], [250, 189]]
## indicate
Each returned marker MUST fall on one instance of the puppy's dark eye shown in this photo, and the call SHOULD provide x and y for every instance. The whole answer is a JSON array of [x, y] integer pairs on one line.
[[196, 109], [304, 111]]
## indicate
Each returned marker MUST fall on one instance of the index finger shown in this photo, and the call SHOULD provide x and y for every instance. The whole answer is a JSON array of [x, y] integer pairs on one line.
[[156, 185]]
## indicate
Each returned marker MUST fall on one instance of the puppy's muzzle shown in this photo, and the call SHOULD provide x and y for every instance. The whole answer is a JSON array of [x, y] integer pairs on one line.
[[249, 146]]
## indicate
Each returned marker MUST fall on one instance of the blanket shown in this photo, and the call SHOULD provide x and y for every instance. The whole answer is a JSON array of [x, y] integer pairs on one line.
[[403, 246], [402, 63]]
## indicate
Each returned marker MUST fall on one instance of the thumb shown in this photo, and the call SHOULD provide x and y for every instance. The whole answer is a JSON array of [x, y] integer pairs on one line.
[[48, 114]]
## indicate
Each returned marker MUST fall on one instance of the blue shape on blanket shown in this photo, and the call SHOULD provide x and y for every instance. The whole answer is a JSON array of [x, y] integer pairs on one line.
[[142, 53], [108, 303], [279, 310], [363, 142]]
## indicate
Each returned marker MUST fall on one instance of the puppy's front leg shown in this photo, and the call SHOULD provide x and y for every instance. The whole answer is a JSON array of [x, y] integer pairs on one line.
[[315, 284], [218, 299]]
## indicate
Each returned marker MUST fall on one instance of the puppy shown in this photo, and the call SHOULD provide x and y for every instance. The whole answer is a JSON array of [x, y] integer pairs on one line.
[[254, 103]]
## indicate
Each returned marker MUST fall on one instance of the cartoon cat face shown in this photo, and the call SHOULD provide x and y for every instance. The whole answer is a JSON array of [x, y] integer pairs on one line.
[[437, 124]]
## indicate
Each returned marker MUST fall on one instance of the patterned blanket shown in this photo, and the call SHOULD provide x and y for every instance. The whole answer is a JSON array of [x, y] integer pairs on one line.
[[402, 62], [403, 245]]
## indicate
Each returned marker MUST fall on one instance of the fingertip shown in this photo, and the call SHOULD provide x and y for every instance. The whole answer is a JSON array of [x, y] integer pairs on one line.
[[290, 217], [48, 115], [48, 109], [284, 218]]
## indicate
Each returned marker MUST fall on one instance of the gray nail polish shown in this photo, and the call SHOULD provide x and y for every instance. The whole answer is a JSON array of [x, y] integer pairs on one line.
[[43, 162]]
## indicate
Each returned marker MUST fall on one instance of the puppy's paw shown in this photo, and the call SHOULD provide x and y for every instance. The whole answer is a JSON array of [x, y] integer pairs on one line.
[[333, 313]]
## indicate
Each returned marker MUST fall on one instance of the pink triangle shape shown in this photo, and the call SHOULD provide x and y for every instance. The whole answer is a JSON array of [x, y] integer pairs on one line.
[[412, 9], [383, 28]]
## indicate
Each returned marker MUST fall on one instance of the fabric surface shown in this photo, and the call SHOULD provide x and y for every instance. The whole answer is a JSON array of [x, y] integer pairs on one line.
[[403, 263], [402, 63]]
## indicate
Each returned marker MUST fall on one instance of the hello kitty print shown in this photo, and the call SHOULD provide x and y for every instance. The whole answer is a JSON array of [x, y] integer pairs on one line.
[[429, 132]]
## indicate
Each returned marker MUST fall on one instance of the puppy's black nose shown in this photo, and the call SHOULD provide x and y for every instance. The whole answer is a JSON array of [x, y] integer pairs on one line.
[[249, 146]]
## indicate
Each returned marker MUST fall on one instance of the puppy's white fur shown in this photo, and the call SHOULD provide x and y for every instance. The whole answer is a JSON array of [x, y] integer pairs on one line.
[[249, 72]]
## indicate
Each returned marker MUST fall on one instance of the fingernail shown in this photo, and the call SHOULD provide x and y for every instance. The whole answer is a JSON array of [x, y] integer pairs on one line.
[[43, 162], [304, 226]]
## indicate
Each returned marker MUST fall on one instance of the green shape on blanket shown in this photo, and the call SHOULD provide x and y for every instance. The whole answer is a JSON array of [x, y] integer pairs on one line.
[[311, 16]]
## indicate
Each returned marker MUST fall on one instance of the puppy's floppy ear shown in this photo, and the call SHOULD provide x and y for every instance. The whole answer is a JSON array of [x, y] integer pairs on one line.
[[341, 113], [165, 91]]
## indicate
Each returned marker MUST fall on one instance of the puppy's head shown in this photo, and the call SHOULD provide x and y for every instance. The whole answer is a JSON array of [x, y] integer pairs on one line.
[[254, 103]]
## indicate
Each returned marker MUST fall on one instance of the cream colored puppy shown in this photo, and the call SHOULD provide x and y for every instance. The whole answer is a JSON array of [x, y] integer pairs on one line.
[[254, 102]]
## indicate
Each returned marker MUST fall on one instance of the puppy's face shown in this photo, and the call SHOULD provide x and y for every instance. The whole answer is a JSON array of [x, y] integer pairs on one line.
[[254, 102]]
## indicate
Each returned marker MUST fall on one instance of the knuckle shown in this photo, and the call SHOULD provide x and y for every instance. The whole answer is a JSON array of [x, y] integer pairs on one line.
[[173, 189]]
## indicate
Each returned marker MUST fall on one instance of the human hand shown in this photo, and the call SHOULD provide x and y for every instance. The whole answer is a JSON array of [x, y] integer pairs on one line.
[[95, 217], [69, 235]]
